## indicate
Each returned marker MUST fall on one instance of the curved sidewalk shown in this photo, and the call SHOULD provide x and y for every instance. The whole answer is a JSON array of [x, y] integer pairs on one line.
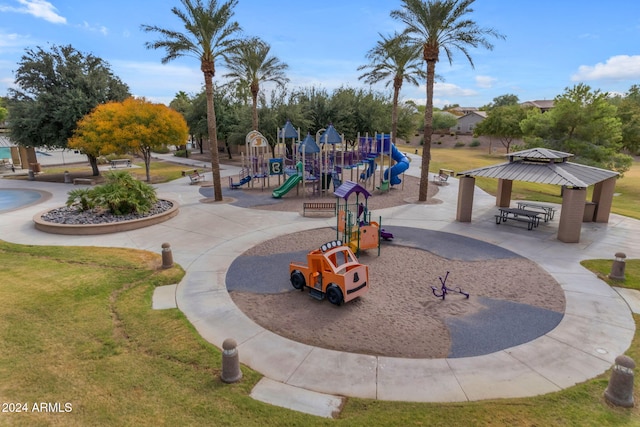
[[206, 237]]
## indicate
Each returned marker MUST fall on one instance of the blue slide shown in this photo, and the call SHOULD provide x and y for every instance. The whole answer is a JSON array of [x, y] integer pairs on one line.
[[402, 164], [371, 168]]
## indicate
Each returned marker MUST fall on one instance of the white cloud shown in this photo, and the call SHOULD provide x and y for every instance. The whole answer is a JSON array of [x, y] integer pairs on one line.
[[38, 8], [11, 40], [94, 28], [620, 67], [485, 81], [451, 90]]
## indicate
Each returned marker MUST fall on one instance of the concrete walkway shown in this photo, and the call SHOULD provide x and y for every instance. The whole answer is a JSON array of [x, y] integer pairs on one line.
[[206, 237]]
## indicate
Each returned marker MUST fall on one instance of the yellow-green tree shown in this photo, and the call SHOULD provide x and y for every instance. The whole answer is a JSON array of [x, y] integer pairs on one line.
[[134, 125]]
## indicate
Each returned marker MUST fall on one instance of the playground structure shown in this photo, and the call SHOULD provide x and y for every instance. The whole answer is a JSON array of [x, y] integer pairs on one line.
[[333, 271], [256, 164], [316, 163], [355, 227]]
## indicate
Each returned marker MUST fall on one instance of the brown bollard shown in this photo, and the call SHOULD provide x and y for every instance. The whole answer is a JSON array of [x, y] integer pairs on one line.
[[231, 372], [167, 256], [620, 389], [617, 268]]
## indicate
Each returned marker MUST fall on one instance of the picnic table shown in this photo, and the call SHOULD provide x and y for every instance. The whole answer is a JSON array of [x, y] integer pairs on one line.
[[532, 218], [549, 211]]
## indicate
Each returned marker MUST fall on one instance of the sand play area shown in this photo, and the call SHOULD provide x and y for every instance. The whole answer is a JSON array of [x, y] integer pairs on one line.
[[512, 300]]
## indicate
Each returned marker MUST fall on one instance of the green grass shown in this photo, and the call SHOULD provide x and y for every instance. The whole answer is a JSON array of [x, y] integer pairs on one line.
[[161, 171], [77, 326], [626, 202], [602, 267]]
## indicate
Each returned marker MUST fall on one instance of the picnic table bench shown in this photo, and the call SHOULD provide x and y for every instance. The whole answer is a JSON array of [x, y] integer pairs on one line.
[[120, 162], [548, 211], [318, 207], [531, 218]]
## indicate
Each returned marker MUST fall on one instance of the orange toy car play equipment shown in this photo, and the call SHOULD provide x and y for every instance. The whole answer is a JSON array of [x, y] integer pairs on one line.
[[333, 271]]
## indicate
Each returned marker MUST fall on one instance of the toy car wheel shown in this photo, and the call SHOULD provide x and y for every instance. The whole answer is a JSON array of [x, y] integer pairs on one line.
[[334, 294], [297, 280]]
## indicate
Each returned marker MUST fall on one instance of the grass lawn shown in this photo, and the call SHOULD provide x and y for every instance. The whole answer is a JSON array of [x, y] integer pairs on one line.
[[77, 327]]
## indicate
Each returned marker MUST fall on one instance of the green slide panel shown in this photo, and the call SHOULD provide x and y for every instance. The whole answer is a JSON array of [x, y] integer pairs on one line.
[[290, 183]]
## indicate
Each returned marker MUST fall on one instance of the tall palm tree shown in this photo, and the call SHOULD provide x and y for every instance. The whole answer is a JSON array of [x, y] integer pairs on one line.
[[435, 25], [250, 65], [396, 61], [208, 35]]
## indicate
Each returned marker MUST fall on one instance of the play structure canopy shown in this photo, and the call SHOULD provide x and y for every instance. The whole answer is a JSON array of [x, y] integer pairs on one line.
[[308, 145], [288, 131], [330, 136], [350, 187]]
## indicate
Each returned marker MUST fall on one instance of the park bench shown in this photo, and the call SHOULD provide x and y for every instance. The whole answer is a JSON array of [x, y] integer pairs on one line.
[[442, 176], [318, 207], [195, 177], [120, 162]]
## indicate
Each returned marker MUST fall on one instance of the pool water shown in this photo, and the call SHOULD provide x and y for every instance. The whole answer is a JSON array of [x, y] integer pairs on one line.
[[14, 199]]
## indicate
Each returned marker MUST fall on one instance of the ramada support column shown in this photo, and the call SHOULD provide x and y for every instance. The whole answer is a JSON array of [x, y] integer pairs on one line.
[[466, 187], [603, 197], [503, 198], [570, 225]]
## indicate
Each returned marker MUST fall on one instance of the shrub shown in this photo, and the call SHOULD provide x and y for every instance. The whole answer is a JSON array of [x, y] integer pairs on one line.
[[180, 153], [161, 150], [121, 194], [81, 198], [474, 143], [459, 144]]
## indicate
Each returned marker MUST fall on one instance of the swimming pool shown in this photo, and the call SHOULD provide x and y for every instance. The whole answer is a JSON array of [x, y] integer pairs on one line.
[[11, 199]]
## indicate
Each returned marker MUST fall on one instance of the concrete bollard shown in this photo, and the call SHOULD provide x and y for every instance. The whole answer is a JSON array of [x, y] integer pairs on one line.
[[231, 372], [167, 256], [620, 389], [617, 268]]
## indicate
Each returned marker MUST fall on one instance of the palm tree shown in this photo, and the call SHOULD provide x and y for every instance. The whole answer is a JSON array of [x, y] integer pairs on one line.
[[435, 25], [396, 61], [208, 35], [250, 65]]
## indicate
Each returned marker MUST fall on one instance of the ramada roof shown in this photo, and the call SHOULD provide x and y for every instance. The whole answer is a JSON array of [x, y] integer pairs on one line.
[[543, 166]]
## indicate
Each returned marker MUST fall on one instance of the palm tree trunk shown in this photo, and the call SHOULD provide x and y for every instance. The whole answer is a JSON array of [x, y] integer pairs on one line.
[[213, 137], [254, 109], [428, 131], [394, 111]]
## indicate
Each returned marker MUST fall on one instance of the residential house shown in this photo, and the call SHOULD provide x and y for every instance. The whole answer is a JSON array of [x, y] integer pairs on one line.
[[543, 105], [468, 122]]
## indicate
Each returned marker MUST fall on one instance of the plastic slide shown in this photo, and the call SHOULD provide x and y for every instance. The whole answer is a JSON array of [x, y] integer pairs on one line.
[[242, 182], [290, 183], [371, 168], [402, 164]]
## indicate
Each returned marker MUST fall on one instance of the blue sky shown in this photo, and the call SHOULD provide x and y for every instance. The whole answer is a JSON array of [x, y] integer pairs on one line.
[[550, 45]]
